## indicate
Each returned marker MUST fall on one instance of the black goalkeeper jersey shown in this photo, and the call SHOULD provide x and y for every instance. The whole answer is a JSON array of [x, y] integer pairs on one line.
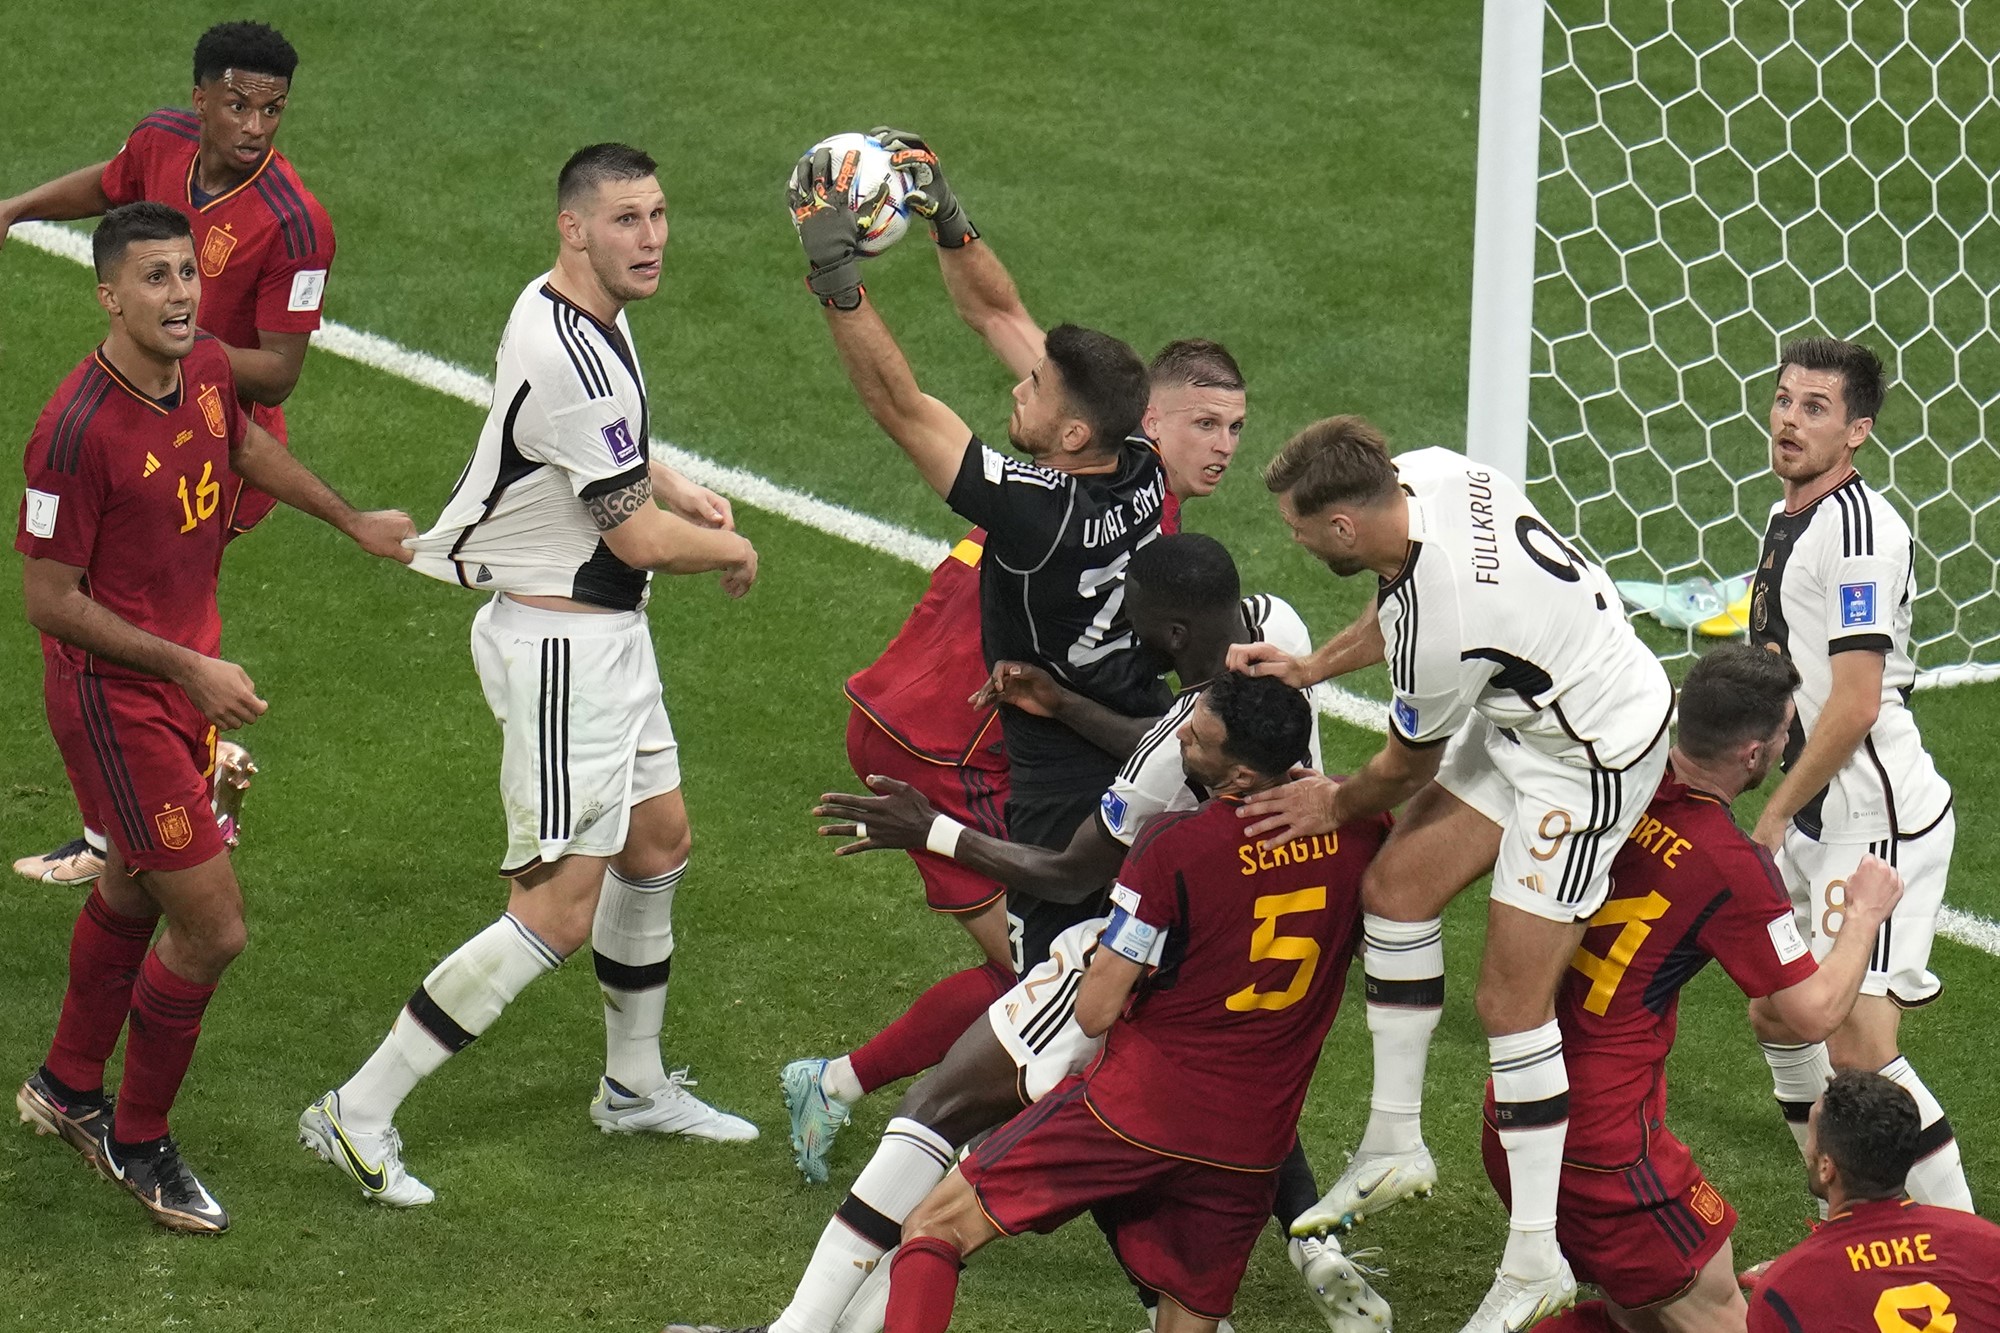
[[1052, 592]]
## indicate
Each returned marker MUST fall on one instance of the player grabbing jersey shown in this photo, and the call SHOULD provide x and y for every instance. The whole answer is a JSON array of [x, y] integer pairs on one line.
[[559, 516], [1833, 593], [265, 248], [1881, 1261], [1183, 595], [913, 718], [1527, 733], [1636, 1217], [1060, 528], [1191, 1017], [123, 526]]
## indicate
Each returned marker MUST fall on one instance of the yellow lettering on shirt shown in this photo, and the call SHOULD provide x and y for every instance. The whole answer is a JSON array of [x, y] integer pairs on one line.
[[1259, 857]]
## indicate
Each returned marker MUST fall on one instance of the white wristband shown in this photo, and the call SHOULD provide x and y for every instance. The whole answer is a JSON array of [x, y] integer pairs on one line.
[[943, 837]]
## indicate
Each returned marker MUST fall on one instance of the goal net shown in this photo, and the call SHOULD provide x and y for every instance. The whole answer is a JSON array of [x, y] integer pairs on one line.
[[1716, 177]]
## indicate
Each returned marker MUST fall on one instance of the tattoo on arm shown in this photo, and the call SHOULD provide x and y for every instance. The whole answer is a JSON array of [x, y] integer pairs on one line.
[[608, 511]]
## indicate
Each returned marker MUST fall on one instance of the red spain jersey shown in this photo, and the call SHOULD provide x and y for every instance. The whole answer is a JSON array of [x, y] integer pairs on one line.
[[917, 689], [1686, 887], [131, 490], [1885, 1264], [1250, 948], [264, 248]]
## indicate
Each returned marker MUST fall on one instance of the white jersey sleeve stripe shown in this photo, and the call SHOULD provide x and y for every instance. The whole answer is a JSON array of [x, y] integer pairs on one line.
[[588, 372]]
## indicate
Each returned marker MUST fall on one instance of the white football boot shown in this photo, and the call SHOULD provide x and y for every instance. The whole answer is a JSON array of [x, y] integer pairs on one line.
[[671, 1110], [1371, 1182], [1336, 1286], [373, 1161], [1514, 1305]]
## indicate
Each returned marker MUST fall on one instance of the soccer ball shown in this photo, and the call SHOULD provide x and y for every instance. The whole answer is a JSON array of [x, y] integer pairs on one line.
[[894, 219]]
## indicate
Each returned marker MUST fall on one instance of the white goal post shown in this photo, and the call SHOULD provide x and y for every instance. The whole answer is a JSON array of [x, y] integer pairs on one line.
[[1669, 190]]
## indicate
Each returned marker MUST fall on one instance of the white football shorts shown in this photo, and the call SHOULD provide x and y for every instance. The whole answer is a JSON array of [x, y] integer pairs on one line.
[[1036, 1021], [584, 734], [1816, 874], [1560, 826]]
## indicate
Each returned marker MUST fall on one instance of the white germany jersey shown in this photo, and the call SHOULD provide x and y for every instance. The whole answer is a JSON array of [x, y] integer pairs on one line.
[[1494, 613], [1836, 577], [1153, 781], [568, 423]]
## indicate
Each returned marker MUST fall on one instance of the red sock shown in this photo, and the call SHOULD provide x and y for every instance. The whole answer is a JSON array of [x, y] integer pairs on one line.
[[105, 950], [1589, 1317], [923, 1284], [919, 1039], [166, 1019]]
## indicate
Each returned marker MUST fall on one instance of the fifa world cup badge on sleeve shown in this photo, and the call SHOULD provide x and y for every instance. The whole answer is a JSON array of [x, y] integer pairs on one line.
[[618, 439], [1857, 604], [1125, 934], [308, 286], [1406, 717], [1785, 938], [41, 512]]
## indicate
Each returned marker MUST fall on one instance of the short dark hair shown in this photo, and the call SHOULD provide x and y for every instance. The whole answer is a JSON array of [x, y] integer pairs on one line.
[[1103, 380], [1869, 1125], [255, 48], [591, 167], [143, 221], [1266, 723], [1735, 693], [1197, 362], [1190, 571], [1338, 460], [1860, 370]]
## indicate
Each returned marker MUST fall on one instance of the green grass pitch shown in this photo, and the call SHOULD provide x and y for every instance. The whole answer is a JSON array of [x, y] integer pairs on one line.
[[1292, 178]]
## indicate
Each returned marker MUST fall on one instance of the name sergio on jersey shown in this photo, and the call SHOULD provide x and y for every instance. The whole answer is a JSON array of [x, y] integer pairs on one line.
[[1129, 513], [1259, 856]]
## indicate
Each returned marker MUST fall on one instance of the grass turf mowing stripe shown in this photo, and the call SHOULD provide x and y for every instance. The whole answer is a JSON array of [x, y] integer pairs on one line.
[[423, 369]]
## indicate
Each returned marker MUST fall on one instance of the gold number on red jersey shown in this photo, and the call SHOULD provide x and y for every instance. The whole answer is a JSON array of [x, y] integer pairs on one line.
[[1267, 944], [1891, 1305], [1636, 916], [207, 498]]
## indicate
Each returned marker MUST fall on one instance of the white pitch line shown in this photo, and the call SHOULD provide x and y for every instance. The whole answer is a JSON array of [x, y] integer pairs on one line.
[[467, 386]]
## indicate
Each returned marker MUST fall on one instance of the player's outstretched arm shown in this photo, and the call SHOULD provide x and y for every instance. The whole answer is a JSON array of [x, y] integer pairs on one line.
[[1815, 1007], [1033, 690], [830, 227], [1851, 708], [80, 194], [645, 536], [898, 816], [982, 291], [1314, 804], [1359, 645], [52, 595], [259, 459]]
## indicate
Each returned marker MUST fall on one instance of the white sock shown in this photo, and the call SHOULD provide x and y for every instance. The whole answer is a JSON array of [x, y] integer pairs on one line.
[[1938, 1177], [839, 1081], [1404, 965], [1799, 1074], [1531, 1105], [908, 1165], [869, 1309], [458, 1001], [632, 949], [96, 841]]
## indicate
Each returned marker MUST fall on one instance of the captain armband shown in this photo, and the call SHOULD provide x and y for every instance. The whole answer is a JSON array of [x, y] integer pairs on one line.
[[1126, 935]]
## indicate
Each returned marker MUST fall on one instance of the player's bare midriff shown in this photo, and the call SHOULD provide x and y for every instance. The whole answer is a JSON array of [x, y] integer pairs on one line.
[[559, 604]]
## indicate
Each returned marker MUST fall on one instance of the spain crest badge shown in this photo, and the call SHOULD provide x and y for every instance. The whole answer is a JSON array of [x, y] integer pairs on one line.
[[210, 399], [175, 830], [216, 248]]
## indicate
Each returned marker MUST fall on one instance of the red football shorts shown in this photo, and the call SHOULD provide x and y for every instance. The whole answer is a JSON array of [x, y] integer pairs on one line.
[[1183, 1228], [139, 755], [975, 797], [250, 506], [1641, 1234]]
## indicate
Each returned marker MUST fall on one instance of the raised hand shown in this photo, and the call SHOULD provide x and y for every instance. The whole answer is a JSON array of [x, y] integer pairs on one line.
[[898, 817], [1026, 687], [830, 223], [930, 195]]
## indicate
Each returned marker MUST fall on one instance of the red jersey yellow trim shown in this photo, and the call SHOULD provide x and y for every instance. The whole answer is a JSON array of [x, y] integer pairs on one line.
[[1179, 1157], [116, 378], [233, 190], [992, 716]]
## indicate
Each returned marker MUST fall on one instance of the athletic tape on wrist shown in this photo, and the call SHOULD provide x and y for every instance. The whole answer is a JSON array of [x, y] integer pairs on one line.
[[943, 837]]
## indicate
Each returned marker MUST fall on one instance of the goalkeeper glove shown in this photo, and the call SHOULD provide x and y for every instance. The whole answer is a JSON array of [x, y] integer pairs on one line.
[[830, 224], [930, 195]]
